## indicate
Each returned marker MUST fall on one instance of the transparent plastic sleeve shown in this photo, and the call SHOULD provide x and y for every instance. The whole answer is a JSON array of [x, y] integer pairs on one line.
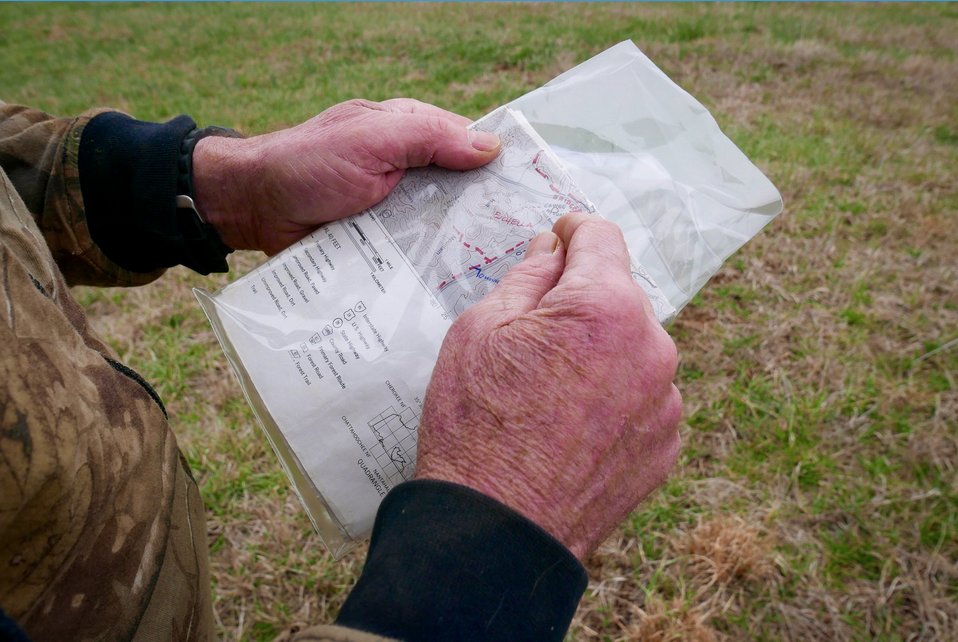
[[653, 160], [334, 339], [327, 526]]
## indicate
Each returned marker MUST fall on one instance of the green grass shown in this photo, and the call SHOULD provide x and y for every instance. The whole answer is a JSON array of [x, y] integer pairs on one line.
[[821, 442]]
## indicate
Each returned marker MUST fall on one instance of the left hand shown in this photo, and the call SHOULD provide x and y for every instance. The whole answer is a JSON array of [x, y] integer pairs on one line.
[[269, 191]]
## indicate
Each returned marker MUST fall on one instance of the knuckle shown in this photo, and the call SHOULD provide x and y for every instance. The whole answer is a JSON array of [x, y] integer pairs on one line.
[[585, 294], [394, 103], [604, 230], [467, 327], [360, 103], [667, 420], [402, 105], [674, 449], [424, 136], [532, 275], [633, 305], [605, 226], [668, 354], [434, 127], [641, 320], [460, 328], [348, 114], [621, 306], [672, 410], [589, 309]]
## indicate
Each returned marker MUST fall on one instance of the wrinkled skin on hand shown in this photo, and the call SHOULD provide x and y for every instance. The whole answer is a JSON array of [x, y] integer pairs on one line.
[[269, 191], [554, 394]]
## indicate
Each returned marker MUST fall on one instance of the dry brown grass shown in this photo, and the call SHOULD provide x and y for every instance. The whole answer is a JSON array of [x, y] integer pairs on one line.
[[704, 574]]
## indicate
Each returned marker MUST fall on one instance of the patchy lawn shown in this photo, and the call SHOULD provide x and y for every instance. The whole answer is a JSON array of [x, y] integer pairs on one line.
[[817, 497]]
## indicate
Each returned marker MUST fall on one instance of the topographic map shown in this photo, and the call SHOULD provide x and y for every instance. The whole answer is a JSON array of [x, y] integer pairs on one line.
[[462, 231]]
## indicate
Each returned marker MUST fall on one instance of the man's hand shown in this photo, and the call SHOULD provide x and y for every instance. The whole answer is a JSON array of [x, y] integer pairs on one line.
[[269, 191], [554, 394]]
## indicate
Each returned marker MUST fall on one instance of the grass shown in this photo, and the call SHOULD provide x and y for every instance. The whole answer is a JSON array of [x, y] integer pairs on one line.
[[817, 497]]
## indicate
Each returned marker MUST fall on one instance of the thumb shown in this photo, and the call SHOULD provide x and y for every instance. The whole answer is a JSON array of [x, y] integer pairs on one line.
[[422, 139], [523, 287]]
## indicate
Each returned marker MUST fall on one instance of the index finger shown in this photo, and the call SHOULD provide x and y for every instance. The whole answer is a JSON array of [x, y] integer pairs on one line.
[[413, 106], [597, 257], [595, 248]]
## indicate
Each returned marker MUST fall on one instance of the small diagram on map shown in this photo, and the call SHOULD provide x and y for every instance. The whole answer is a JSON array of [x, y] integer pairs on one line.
[[395, 447]]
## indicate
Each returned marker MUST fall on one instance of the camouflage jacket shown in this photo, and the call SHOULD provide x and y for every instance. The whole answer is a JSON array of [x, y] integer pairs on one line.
[[102, 532]]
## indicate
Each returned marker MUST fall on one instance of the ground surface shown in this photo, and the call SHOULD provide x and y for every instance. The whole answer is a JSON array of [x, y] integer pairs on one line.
[[817, 497]]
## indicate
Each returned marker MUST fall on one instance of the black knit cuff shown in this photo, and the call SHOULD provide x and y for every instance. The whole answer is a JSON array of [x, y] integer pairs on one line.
[[449, 563], [128, 174]]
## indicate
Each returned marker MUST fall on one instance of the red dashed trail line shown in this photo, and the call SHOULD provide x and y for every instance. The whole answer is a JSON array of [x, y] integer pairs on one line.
[[535, 164], [480, 252], [575, 203]]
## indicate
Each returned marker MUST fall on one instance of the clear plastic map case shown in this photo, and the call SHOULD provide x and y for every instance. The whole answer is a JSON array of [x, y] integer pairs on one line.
[[334, 339]]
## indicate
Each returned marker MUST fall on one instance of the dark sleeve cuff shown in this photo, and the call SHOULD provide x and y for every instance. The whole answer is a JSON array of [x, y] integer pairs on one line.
[[10, 631], [128, 178], [449, 563]]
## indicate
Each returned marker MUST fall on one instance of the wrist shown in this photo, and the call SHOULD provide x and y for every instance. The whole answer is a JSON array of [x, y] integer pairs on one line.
[[536, 509], [224, 173]]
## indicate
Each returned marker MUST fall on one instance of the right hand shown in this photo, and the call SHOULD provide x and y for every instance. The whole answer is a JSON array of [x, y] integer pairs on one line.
[[554, 394]]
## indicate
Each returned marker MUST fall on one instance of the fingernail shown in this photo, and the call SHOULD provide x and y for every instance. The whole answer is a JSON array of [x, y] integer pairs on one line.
[[545, 243], [483, 141]]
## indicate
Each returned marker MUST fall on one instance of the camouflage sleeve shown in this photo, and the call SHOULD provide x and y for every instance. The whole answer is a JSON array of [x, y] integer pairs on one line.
[[39, 153]]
